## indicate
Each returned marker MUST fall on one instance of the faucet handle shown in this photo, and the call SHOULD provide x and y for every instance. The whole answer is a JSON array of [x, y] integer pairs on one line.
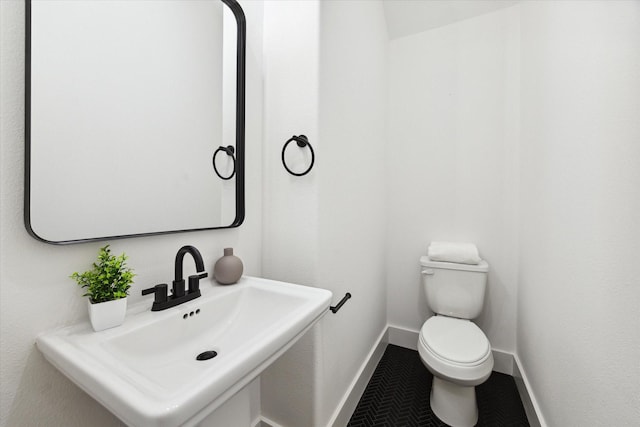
[[160, 292], [194, 281]]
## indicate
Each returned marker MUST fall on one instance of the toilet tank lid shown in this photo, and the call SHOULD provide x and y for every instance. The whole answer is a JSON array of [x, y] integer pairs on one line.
[[482, 266]]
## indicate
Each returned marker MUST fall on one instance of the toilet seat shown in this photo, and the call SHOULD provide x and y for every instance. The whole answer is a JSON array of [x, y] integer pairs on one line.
[[455, 350], [457, 341]]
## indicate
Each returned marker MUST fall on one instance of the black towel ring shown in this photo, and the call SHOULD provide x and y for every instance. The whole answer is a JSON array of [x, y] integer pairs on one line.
[[230, 151], [302, 142]]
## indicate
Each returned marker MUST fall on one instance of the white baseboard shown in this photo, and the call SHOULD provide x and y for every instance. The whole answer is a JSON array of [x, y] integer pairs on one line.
[[531, 407], [351, 398], [502, 361], [266, 422], [402, 337]]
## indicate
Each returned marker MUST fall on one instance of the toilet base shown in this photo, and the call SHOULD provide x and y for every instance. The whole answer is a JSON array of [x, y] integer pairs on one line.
[[454, 404]]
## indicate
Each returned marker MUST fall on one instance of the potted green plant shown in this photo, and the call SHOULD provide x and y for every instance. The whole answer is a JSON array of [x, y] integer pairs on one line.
[[107, 285]]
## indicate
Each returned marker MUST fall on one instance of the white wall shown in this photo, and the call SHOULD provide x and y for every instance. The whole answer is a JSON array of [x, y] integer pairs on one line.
[[351, 171], [35, 292], [291, 39], [579, 293], [452, 170], [407, 17], [290, 45], [519, 130], [325, 77]]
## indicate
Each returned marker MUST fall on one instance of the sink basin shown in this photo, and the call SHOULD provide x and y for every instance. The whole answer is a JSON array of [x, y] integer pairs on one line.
[[147, 371]]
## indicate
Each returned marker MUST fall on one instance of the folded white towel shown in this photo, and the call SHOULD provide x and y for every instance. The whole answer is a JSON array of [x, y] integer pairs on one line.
[[462, 253]]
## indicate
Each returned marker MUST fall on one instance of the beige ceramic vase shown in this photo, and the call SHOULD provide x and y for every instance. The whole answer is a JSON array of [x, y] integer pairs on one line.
[[228, 269]]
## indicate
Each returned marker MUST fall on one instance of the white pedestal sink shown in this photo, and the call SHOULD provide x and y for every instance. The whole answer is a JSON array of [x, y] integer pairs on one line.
[[146, 371]]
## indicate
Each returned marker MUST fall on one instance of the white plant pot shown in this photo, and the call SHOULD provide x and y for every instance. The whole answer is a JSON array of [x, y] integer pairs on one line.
[[105, 315]]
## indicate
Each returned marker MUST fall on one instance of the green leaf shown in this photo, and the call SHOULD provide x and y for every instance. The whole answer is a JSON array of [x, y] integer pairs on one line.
[[109, 279]]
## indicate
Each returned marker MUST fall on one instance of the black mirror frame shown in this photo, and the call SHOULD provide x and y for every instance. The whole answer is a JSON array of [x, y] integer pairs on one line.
[[240, 133]]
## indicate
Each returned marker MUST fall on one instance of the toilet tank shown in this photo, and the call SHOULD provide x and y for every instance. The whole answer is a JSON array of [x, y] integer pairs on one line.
[[455, 290]]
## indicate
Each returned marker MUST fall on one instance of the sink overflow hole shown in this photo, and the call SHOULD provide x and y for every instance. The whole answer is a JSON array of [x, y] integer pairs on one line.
[[206, 355]]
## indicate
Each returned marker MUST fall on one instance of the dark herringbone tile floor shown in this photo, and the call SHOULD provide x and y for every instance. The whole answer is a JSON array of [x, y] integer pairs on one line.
[[398, 395]]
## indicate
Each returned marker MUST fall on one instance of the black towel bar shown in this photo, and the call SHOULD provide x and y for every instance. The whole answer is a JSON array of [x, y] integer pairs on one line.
[[334, 309]]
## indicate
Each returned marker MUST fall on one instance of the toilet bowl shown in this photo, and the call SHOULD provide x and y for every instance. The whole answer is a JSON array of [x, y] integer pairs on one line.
[[451, 346], [458, 354]]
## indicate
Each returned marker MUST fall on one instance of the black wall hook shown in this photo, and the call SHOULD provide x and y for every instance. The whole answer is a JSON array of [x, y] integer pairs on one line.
[[302, 141], [230, 152]]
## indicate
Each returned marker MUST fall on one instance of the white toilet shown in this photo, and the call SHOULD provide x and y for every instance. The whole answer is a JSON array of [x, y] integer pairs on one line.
[[451, 346]]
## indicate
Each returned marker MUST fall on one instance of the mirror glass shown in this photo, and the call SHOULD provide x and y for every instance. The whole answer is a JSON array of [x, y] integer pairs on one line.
[[127, 102]]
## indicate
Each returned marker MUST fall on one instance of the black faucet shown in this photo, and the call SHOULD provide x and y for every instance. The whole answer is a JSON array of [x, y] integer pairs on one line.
[[179, 294]]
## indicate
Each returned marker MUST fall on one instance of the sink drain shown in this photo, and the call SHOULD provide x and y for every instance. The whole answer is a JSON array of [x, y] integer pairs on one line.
[[206, 355]]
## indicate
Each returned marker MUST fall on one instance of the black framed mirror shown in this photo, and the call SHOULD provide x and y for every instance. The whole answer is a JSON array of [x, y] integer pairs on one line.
[[126, 104]]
